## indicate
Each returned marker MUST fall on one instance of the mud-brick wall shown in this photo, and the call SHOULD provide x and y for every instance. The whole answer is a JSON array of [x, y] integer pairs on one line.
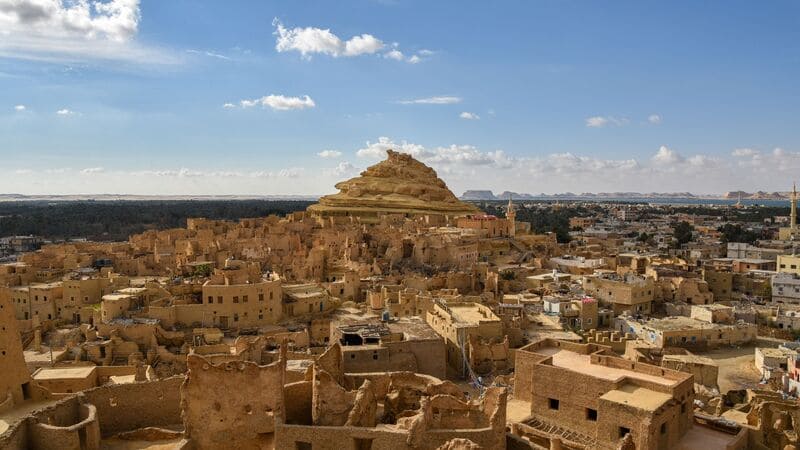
[[16, 437], [21, 435], [298, 402], [126, 407]]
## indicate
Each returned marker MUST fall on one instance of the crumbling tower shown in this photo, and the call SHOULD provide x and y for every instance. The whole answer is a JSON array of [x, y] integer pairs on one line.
[[15, 372]]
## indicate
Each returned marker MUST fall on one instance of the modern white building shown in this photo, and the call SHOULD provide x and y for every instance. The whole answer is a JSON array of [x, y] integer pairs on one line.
[[786, 288]]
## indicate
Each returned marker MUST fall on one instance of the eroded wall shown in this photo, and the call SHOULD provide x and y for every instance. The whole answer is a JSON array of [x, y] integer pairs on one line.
[[232, 405]]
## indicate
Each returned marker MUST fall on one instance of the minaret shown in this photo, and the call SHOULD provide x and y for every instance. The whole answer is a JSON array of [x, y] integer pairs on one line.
[[793, 217], [511, 215]]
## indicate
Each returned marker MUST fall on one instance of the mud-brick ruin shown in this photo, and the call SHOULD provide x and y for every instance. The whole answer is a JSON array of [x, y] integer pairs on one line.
[[393, 315]]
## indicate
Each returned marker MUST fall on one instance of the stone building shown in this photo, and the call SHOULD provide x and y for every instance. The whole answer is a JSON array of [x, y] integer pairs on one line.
[[786, 289], [581, 314], [408, 345], [631, 293], [488, 225], [331, 409], [686, 332], [456, 322], [788, 264], [37, 300], [597, 398]]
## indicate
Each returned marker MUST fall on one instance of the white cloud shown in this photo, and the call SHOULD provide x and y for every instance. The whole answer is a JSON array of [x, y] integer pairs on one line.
[[75, 30], [292, 172], [439, 100], [341, 170], [665, 155], [469, 116], [461, 166], [744, 152], [603, 121], [309, 41], [571, 165], [280, 102], [378, 149], [365, 44], [669, 161], [468, 167], [229, 106], [395, 54], [702, 161], [116, 20], [654, 119], [469, 155], [453, 154], [19, 108], [208, 53], [66, 112], [596, 122], [329, 154], [767, 164]]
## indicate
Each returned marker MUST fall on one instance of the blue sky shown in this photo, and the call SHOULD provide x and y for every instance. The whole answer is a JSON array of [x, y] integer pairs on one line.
[[193, 97]]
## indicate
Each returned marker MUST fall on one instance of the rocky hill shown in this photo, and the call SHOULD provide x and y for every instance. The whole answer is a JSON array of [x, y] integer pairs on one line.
[[397, 185]]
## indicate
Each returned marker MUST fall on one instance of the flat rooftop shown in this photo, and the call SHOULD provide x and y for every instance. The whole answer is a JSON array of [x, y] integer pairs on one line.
[[577, 362], [469, 314], [682, 323], [776, 352], [132, 290], [754, 260], [413, 328], [50, 285], [60, 373], [714, 307], [116, 297], [637, 397]]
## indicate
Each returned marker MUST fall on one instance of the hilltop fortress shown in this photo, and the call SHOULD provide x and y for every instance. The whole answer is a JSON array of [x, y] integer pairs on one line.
[[398, 185]]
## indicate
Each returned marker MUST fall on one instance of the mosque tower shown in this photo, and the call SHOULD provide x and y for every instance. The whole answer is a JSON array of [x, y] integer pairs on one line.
[[793, 217], [511, 215]]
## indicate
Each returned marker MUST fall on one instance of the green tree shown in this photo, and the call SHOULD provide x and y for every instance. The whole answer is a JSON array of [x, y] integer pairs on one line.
[[682, 232], [508, 275], [736, 233], [202, 270]]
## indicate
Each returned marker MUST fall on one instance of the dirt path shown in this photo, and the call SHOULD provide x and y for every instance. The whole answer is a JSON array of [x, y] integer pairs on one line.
[[736, 367]]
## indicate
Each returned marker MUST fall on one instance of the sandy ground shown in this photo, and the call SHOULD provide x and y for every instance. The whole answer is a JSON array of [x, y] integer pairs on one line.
[[517, 410], [736, 367], [21, 410], [121, 444], [702, 438]]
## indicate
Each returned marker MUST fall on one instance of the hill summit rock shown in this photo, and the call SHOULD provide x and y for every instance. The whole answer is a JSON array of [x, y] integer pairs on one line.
[[397, 185]]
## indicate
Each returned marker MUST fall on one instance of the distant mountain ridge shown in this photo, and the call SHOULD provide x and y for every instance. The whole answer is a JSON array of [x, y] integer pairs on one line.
[[489, 195], [760, 195]]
